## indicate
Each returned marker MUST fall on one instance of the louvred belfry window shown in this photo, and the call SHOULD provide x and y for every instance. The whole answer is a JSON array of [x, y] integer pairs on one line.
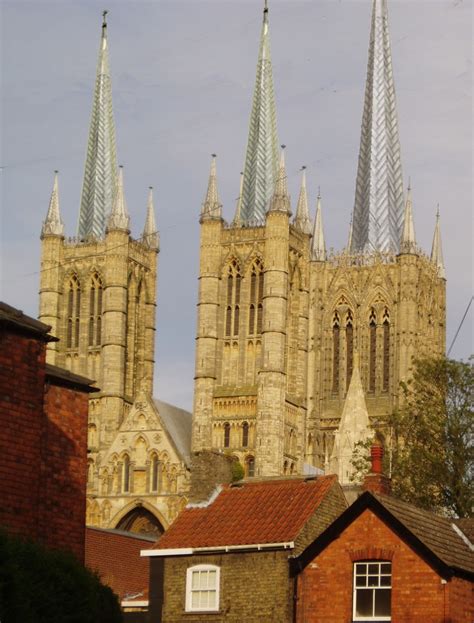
[[256, 299], [335, 352], [372, 349], [95, 311], [386, 352], [73, 313], [349, 347], [232, 310]]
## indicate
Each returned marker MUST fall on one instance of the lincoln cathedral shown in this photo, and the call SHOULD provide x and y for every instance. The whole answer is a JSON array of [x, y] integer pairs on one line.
[[299, 351]]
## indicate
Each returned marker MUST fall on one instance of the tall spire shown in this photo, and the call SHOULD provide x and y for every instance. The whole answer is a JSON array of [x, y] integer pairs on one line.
[[280, 201], [437, 249], [408, 241], [53, 225], [212, 208], [378, 207], [261, 161], [99, 184], [354, 426], [302, 220], [318, 247], [151, 236], [118, 218]]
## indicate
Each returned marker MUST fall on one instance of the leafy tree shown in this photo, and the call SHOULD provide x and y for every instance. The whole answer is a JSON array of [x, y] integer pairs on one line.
[[38, 585], [432, 453]]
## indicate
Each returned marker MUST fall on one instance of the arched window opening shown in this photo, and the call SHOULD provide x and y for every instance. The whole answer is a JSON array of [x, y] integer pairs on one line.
[[372, 349], [126, 474], [335, 352], [228, 321], [155, 472], [259, 318], [256, 298], [245, 434], [73, 312], [386, 351], [232, 317], [250, 463], [236, 320], [349, 347], [226, 435], [95, 311], [285, 468], [251, 319]]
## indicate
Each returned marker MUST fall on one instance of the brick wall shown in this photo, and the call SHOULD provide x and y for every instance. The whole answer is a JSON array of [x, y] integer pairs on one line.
[[22, 372], [254, 587], [115, 556], [325, 585], [64, 471]]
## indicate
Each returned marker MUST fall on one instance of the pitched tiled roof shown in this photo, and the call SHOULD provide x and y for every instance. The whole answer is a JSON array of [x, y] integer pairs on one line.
[[249, 513], [437, 533], [178, 423], [467, 527]]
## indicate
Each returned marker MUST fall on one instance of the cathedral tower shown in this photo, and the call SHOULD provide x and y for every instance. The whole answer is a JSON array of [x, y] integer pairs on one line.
[[281, 322], [98, 293]]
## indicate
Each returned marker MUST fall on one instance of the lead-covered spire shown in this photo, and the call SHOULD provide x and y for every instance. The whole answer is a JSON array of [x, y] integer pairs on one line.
[[53, 224], [151, 236], [378, 207], [318, 246], [212, 208], [261, 160], [302, 220], [437, 249], [100, 174], [408, 241]]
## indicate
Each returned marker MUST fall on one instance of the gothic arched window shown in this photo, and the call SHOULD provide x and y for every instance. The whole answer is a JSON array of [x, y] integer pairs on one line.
[[226, 435], [126, 474], [95, 311], [250, 464], [256, 299], [232, 317], [73, 312], [154, 473], [349, 347], [245, 434], [372, 349], [386, 351], [335, 352]]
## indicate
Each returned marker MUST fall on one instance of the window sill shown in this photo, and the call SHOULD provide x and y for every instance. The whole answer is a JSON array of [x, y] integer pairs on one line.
[[203, 612]]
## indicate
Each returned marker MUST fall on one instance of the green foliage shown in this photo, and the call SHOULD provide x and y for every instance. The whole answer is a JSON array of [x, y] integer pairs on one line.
[[237, 471], [433, 438], [361, 460], [38, 585]]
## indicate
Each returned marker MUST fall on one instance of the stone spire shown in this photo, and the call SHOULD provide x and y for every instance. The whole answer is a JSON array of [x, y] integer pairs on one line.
[[354, 426], [280, 201], [437, 249], [302, 220], [53, 225], [151, 237], [118, 218], [378, 207], [318, 247], [408, 240], [261, 161], [212, 208], [237, 222], [100, 174]]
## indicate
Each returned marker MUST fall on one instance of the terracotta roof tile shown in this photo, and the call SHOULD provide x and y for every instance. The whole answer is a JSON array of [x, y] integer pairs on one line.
[[271, 511]]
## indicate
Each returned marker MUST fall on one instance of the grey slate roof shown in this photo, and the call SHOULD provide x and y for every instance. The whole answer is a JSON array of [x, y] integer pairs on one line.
[[178, 425], [16, 318], [435, 532]]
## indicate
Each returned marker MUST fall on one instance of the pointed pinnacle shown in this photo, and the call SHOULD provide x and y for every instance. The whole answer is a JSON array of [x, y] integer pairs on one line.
[[151, 236], [119, 218], [281, 201], [318, 247], [53, 225], [237, 222], [349, 238], [302, 220], [212, 208], [408, 241], [437, 249]]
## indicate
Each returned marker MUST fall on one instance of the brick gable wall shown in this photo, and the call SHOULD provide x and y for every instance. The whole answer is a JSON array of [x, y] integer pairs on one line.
[[418, 594]]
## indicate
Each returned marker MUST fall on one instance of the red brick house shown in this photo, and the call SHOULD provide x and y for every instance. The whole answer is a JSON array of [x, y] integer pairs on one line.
[[386, 560], [227, 559], [43, 438]]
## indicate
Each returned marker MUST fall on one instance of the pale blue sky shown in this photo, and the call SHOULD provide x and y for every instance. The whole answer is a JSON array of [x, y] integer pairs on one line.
[[182, 79]]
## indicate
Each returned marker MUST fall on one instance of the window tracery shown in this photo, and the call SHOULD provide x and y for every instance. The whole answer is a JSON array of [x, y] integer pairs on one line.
[[95, 310], [73, 312], [232, 317]]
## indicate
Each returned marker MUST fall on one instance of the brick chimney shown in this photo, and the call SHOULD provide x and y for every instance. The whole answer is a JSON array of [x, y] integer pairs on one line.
[[209, 469], [376, 481]]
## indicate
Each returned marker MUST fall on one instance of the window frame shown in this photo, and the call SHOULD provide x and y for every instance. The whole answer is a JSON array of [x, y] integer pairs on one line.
[[372, 617], [189, 589]]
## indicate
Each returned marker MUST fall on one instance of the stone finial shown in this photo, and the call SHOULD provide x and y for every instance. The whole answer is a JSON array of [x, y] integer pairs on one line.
[[302, 220], [280, 201], [237, 222], [318, 247], [408, 240], [212, 208], [118, 218], [53, 224], [437, 249], [151, 237]]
